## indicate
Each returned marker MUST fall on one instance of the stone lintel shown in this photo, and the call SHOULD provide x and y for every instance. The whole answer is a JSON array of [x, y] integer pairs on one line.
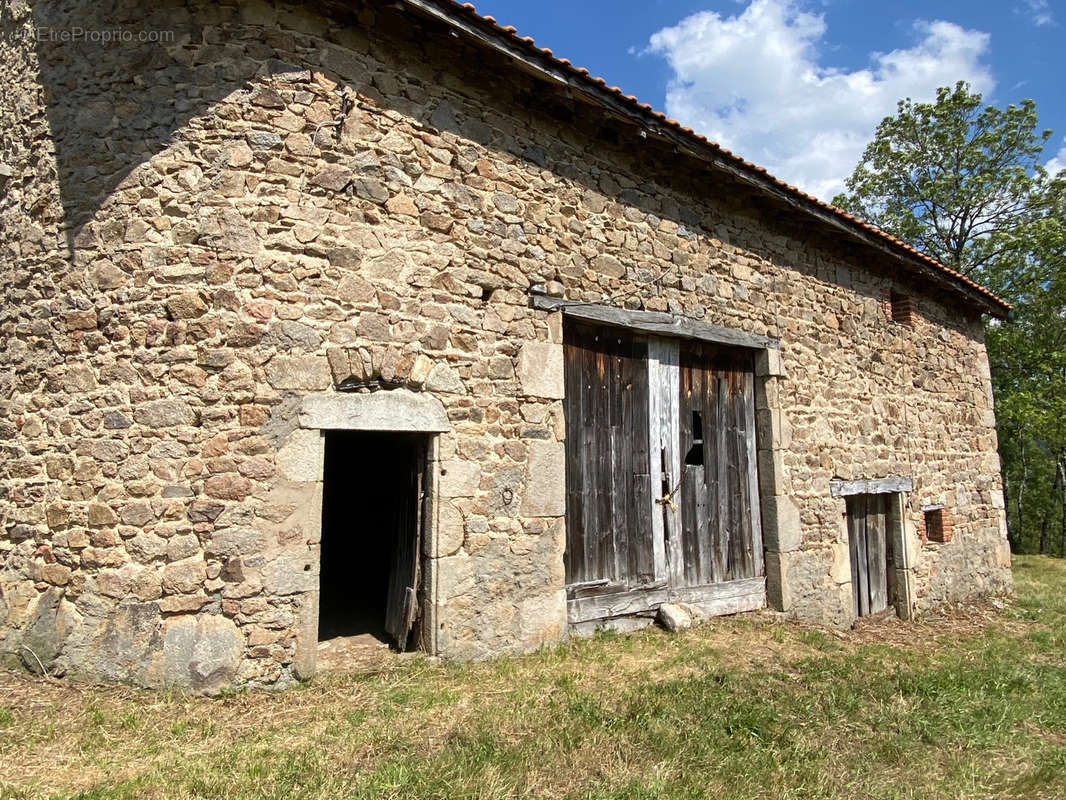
[[398, 410]]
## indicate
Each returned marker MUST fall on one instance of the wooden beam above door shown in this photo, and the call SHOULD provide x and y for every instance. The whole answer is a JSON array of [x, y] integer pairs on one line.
[[655, 322], [839, 487]]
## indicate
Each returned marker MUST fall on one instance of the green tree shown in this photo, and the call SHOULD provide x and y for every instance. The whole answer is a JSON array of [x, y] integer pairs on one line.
[[1028, 359], [963, 182], [954, 179]]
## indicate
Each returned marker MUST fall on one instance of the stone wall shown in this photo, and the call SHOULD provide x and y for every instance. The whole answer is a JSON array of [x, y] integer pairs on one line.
[[201, 233]]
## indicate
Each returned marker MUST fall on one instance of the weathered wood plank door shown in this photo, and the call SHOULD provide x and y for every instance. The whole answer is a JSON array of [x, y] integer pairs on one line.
[[867, 516], [609, 492], [405, 576], [662, 482], [721, 530]]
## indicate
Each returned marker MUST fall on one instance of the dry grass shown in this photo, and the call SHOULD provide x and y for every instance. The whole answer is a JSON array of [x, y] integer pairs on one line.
[[972, 703]]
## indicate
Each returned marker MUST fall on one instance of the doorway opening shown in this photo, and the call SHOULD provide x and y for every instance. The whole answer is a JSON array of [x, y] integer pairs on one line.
[[370, 581]]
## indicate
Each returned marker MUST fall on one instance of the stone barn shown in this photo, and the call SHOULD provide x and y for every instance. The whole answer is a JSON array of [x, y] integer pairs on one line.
[[331, 317]]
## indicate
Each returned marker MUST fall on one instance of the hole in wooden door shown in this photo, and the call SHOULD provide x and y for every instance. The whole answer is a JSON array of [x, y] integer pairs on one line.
[[694, 456], [370, 572]]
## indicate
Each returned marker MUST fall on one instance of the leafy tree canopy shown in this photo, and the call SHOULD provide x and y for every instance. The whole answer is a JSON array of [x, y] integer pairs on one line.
[[956, 179]]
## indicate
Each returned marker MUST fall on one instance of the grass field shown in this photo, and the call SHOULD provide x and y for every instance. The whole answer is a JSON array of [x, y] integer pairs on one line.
[[972, 704]]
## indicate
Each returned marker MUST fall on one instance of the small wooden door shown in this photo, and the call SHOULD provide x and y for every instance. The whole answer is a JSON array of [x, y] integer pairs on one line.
[[608, 485], [867, 516], [721, 530], [405, 575]]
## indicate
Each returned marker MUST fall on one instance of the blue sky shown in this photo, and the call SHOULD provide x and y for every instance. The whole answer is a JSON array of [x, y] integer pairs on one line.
[[798, 86]]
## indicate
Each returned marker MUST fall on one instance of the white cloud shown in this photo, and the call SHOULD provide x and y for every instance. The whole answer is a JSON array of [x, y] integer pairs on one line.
[[755, 83], [1039, 12], [1058, 163]]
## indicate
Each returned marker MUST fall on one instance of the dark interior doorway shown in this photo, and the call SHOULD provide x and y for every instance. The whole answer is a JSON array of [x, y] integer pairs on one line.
[[371, 519]]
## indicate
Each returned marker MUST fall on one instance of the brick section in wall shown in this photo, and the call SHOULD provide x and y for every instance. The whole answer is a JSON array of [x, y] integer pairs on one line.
[[937, 525], [900, 309]]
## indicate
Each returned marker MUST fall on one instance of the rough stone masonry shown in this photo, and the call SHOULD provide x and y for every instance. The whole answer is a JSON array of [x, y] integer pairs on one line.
[[209, 225]]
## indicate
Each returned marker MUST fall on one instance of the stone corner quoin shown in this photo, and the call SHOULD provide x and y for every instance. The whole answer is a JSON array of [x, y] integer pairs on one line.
[[302, 225]]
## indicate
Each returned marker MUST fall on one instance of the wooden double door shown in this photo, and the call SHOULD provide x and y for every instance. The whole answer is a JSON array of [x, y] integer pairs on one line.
[[662, 484]]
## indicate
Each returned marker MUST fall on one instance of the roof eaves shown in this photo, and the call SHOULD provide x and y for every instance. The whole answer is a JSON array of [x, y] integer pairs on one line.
[[579, 78]]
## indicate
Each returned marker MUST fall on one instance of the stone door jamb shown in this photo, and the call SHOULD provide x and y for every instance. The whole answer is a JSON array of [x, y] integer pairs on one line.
[[303, 455]]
